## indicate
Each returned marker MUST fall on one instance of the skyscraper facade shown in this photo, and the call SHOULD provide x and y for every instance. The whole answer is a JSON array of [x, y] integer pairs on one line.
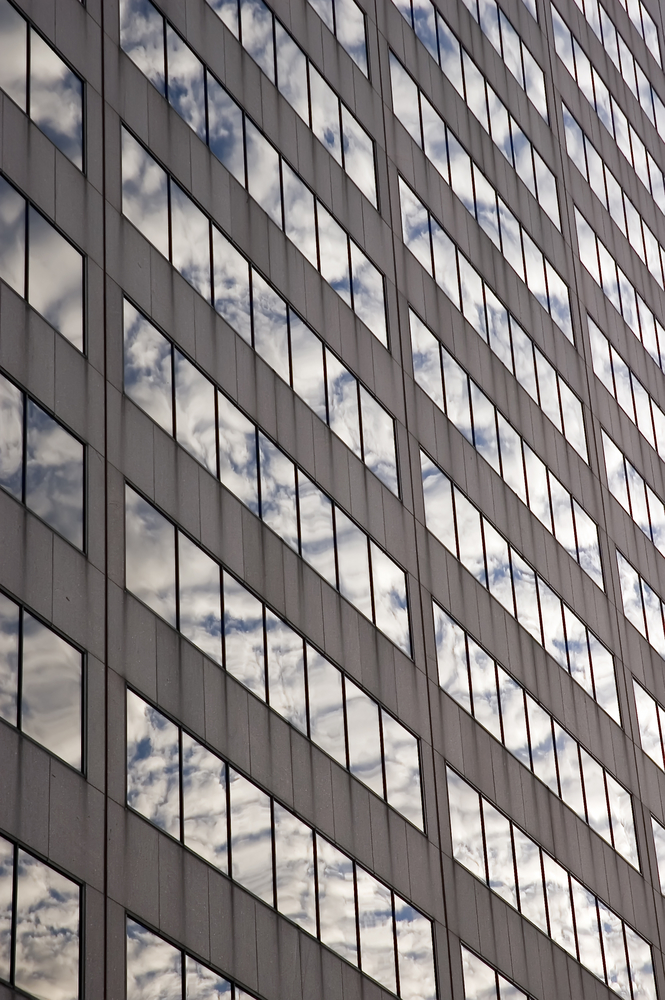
[[332, 506]]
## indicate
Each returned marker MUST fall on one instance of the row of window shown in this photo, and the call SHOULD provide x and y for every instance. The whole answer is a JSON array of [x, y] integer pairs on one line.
[[171, 221], [186, 590], [178, 784], [189, 86], [249, 20], [515, 867], [515, 55], [459, 525], [477, 418], [41, 463], [641, 605], [481, 981], [644, 23], [279, 667], [634, 494], [42, 85], [615, 121], [39, 926], [156, 968], [606, 187], [479, 197], [627, 389], [603, 268], [522, 358], [40, 264], [488, 692], [486, 105], [181, 399], [619, 52], [41, 680], [424, 236]]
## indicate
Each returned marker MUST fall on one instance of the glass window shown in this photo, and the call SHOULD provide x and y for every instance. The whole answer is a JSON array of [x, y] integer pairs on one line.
[[271, 335], [12, 231], [238, 468], [343, 412], [278, 491], [195, 412], [337, 906], [148, 377], [142, 38], [149, 556], [153, 765], [358, 150], [362, 718], [243, 636], [190, 241], [145, 193], [204, 810], [499, 846], [9, 664], [368, 294], [317, 539], [54, 474], [299, 220], [286, 671], [402, 769], [263, 181], [47, 911], [324, 105], [326, 705], [6, 894], [353, 563], [375, 921], [307, 363], [391, 609], [294, 869], [350, 31], [13, 55], [292, 72], [186, 82], [415, 952], [199, 598], [231, 284], [150, 961], [256, 27], [55, 278], [251, 837], [51, 689], [56, 99], [11, 438], [225, 129]]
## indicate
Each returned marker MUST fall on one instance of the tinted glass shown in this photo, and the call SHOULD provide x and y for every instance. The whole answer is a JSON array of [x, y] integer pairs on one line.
[[286, 671], [54, 474], [353, 563], [326, 709], [142, 38], [337, 905], [278, 491], [263, 173], [51, 691], [316, 529], [299, 221], [190, 241], [307, 365], [271, 338], [149, 556], [225, 129], [378, 440], [47, 931], [186, 82], [204, 812], [195, 412], [231, 284], [237, 453], [148, 378], [12, 235], [11, 438], [294, 869], [391, 609], [9, 624], [256, 23], [6, 897], [402, 766], [13, 54], [251, 838], [375, 919], [200, 606], [203, 984], [368, 295], [153, 764], [150, 960], [415, 953], [334, 253], [362, 717], [243, 636], [55, 279], [145, 193], [56, 99]]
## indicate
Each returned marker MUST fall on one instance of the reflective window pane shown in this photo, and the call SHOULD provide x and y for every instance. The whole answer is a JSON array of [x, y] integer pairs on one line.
[[225, 129], [324, 104], [12, 234], [151, 961], [559, 905], [263, 171], [147, 371], [251, 837], [362, 718], [353, 563], [350, 30], [299, 220], [343, 413], [292, 72], [142, 38], [499, 854], [200, 607], [586, 925], [368, 294], [153, 764], [186, 82], [237, 453], [256, 21], [190, 241], [271, 337], [334, 253], [231, 284], [337, 905], [530, 879], [278, 491], [11, 438], [542, 744], [358, 152], [6, 899], [326, 707], [484, 687], [402, 766], [13, 55], [204, 812], [415, 953], [202, 983], [145, 193], [391, 608], [451, 657], [52, 681], [149, 556], [294, 869], [47, 930], [317, 541], [307, 363], [465, 825], [9, 626], [286, 671], [54, 474], [56, 99], [375, 920], [379, 440], [55, 279], [195, 412], [243, 636]]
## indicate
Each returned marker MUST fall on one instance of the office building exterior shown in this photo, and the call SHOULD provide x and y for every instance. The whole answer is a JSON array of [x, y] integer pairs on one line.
[[332, 506]]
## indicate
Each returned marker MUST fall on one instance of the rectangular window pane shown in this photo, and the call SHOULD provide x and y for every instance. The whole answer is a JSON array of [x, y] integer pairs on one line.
[[47, 930], [299, 221], [203, 984], [256, 22], [465, 825], [238, 468], [145, 193], [225, 129], [559, 905], [12, 235], [271, 336], [294, 869], [204, 809], [147, 369], [292, 72], [186, 82], [451, 657], [231, 284], [54, 474], [362, 718], [307, 365], [142, 38], [484, 687], [55, 279], [56, 99], [326, 708], [358, 152], [391, 608], [13, 56], [6, 897], [368, 295], [195, 412], [317, 540], [343, 412], [353, 563], [499, 854], [415, 953], [200, 606], [324, 105], [586, 925], [286, 671], [243, 636], [278, 491], [378, 440], [153, 765], [149, 556], [190, 241], [52, 680], [11, 438], [375, 919], [263, 172], [251, 837], [9, 626], [530, 879], [337, 905], [402, 766], [151, 960]]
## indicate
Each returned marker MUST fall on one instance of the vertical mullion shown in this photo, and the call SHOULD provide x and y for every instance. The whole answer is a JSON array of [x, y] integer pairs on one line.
[[24, 446], [383, 754], [266, 687], [229, 857], [12, 953], [181, 790], [397, 982], [346, 724], [26, 277], [306, 679], [19, 677], [177, 576], [274, 851]]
